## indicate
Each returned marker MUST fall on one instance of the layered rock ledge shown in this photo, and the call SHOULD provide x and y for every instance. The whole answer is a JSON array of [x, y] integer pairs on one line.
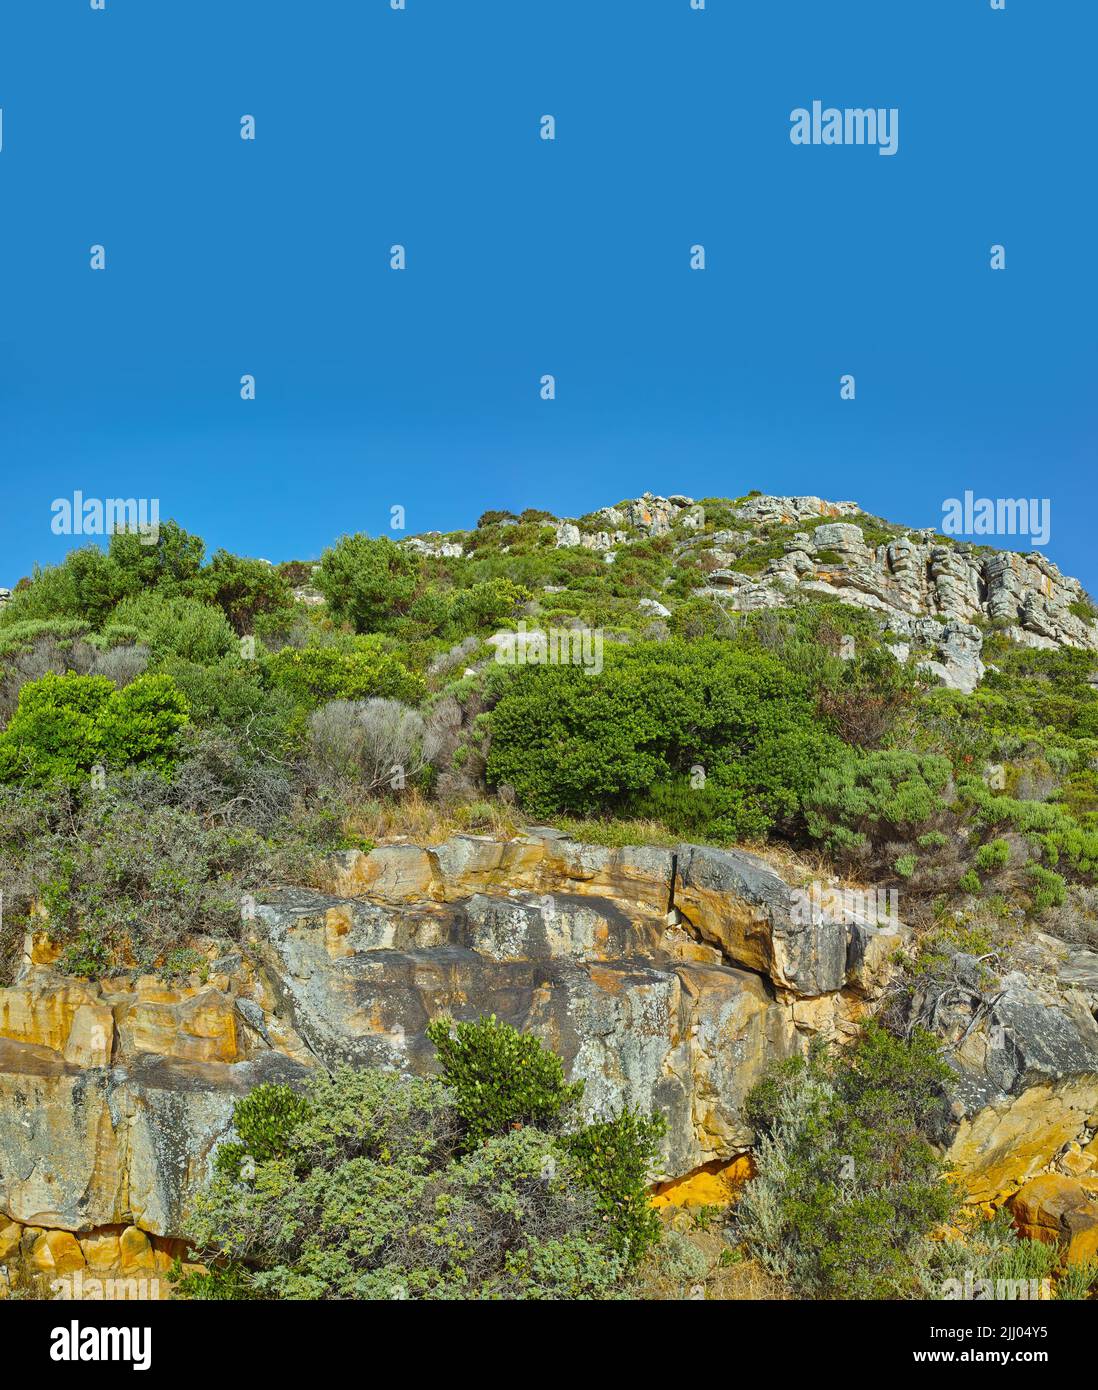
[[667, 978]]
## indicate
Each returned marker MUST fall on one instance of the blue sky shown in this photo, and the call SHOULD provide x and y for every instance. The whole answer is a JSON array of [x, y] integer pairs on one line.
[[419, 388]]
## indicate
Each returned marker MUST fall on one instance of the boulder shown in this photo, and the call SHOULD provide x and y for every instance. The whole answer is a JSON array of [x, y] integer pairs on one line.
[[1060, 1210]]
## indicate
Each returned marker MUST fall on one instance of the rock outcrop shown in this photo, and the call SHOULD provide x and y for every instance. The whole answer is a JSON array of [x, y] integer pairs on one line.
[[1024, 1045], [668, 978], [918, 577]]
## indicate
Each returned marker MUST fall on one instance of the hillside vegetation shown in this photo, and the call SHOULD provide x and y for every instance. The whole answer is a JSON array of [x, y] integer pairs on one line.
[[179, 734]]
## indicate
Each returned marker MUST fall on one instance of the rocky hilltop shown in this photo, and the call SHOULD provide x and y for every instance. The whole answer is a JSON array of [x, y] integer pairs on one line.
[[935, 594]]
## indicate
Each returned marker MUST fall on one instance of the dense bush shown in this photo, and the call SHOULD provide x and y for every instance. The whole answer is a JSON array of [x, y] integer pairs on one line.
[[179, 627], [133, 882], [849, 1190], [615, 1158], [703, 734], [368, 582], [315, 675], [375, 1185], [501, 1079], [245, 590], [64, 726]]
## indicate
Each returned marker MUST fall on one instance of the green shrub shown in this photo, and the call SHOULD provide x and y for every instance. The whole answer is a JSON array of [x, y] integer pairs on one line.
[[992, 856], [906, 865], [360, 1189], [500, 1078], [849, 1190], [125, 879], [615, 1158], [315, 675], [1049, 887], [484, 606], [65, 725], [1077, 1281], [368, 583], [171, 561], [245, 590], [870, 797], [179, 627], [264, 1122], [697, 734], [232, 698]]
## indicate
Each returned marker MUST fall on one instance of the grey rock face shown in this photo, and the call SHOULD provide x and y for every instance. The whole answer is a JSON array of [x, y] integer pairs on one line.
[[1024, 1047], [114, 1145], [744, 907], [919, 576], [614, 993]]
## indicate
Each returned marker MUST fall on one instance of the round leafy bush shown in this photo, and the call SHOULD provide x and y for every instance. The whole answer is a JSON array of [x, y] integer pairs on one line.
[[65, 725]]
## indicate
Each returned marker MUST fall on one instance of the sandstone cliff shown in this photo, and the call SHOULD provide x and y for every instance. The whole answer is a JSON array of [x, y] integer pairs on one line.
[[665, 977]]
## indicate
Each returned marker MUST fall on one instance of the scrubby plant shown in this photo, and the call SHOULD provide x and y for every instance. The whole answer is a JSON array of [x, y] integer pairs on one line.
[[615, 1158], [869, 797], [500, 1078], [992, 856], [849, 1188], [245, 590], [371, 1185], [376, 744], [179, 627]]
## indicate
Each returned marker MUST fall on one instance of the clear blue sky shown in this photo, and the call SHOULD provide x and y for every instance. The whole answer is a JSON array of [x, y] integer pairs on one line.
[[420, 388]]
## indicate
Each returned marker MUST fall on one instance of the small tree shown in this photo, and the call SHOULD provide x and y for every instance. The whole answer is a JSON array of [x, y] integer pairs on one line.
[[368, 582], [501, 1078]]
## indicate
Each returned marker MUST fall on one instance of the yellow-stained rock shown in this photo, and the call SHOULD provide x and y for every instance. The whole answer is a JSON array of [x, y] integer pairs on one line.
[[91, 1036], [337, 925], [1001, 1146], [102, 1251], [715, 1185], [57, 1252], [201, 1028], [42, 1011], [10, 1236], [1059, 1210], [41, 950], [135, 1251], [397, 873], [153, 990], [1077, 1163]]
